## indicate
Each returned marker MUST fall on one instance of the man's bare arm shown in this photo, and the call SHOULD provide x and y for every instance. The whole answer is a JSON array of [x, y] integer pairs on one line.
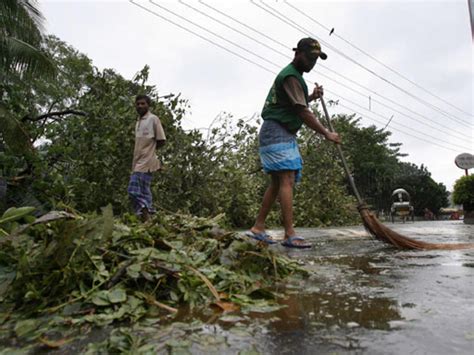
[[312, 122], [160, 143]]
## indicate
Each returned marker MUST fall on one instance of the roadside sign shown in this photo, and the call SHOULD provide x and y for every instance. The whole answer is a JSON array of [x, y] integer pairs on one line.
[[464, 161]]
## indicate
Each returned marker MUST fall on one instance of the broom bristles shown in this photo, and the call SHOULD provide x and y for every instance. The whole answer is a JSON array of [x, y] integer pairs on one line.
[[385, 234], [377, 229]]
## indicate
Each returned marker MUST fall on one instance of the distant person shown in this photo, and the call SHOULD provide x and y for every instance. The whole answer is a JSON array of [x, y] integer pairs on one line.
[[284, 112], [149, 136]]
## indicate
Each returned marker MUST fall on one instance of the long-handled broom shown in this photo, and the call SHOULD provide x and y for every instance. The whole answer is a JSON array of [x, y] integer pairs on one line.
[[372, 224]]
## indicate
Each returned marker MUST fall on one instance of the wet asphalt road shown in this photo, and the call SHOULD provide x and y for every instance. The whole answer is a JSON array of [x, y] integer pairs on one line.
[[367, 297]]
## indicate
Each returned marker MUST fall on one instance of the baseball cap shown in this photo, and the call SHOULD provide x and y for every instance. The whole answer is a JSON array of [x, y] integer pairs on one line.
[[310, 46]]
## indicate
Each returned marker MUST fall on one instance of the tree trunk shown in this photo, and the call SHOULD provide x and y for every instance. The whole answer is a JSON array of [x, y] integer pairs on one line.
[[468, 214]]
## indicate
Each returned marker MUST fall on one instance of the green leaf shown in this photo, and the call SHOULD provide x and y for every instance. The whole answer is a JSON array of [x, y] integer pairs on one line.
[[117, 295], [174, 296], [13, 214], [101, 298], [134, 271], [26, 327]]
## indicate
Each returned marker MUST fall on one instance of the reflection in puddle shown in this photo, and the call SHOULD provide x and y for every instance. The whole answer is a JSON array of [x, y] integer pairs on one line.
[[369, 296], [329, 309]]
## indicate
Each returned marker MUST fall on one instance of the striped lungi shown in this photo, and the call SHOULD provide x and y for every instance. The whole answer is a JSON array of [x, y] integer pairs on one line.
[[139, 190], [279, 149]]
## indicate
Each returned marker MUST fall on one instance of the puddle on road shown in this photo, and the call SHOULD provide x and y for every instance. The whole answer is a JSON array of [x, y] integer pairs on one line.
[[366, 296]]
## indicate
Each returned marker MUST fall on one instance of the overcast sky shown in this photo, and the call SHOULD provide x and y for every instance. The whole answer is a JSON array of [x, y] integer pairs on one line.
[[427, 42]]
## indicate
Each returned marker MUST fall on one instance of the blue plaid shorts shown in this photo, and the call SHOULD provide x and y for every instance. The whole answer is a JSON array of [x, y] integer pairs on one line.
[[279, 149], [139, 191]]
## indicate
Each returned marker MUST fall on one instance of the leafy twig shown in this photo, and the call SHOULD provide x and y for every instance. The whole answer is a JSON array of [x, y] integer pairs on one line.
[[206, 281], [119, 273], [151, 300]]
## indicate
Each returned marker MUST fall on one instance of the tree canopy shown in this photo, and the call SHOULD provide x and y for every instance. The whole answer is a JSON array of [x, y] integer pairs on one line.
[[69, 140]]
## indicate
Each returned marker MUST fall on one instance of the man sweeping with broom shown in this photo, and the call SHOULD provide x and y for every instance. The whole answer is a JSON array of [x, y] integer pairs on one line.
[[284, 112]]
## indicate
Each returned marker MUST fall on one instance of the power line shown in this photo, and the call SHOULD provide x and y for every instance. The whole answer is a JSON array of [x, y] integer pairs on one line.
[[375, 59], [232, 28], [213, 33], [384, 97], [399, 124], [407, 133], [243, 24], [390, 120], [321, 65], [202, 37], [248, 60], [399, 112], [284, 18]]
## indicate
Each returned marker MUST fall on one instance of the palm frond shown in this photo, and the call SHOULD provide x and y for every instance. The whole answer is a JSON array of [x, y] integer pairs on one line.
[[35, 14], [24, 58], [21, 19], [21, 38]]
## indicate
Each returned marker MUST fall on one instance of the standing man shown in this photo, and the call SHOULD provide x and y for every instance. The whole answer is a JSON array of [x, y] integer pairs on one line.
[[284, 112], [149, 136]]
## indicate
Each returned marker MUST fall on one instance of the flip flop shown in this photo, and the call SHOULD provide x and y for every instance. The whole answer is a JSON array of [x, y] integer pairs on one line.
[[261, 237], [289, 243]]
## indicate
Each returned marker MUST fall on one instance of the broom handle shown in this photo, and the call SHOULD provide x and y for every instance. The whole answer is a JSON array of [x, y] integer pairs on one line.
[[341, 155]]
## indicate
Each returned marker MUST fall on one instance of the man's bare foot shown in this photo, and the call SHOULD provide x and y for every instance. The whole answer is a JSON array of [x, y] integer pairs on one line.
[[260, 236], [295, 242]]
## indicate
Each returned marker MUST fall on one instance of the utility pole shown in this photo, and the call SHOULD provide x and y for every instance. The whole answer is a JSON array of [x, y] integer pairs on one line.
[[470, 5]]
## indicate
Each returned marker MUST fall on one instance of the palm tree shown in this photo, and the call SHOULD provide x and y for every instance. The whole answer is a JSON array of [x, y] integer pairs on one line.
[[21, 25], [21, 55]]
